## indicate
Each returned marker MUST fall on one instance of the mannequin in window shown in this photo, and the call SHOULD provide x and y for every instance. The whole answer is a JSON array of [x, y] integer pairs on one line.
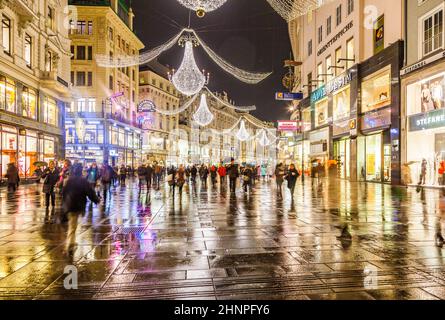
[[427, 103], [437, 95]]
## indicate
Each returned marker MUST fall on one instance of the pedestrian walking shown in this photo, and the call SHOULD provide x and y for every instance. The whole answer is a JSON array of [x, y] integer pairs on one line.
[[213, 174], [158, 173], [93, 175], [149, 176], [291, 177], [171, 174], [247, 178], [193, 173], [142, 176], [204, 174], [12, 175], [263, 172], [279, 178], [422, 179], [180, 179], [122, 175], [106, 177], [51, 177], [233, 175], [64, 174], [75, 194], [222, 172]]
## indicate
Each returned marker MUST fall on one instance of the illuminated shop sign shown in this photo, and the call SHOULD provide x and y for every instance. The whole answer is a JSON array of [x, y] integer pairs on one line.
[[430, 120], [332, 86], [146, 106], [318, 94]]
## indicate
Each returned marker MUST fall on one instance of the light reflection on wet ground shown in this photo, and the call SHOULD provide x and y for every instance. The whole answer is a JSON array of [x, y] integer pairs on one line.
[[211, 245]]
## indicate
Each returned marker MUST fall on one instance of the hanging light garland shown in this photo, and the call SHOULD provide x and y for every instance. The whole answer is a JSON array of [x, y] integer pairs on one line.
[[179, 110], [292, 9], [189, 80], [202, 6], [229, 105], [203, 116], [119, 61]]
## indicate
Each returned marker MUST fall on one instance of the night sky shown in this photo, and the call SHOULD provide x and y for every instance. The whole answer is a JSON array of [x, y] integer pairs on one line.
[[247, 33]]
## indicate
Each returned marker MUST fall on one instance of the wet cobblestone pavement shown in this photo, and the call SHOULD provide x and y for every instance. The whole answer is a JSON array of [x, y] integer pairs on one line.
[[211, 245]]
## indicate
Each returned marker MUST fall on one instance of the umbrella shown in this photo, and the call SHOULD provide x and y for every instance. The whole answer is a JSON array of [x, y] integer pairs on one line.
[[40, 164]]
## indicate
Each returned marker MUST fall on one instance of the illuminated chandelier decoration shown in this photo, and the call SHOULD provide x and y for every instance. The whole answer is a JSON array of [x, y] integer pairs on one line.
[[263, 140], [242, 134], [292, 9], [202, 6], [120, 61], [203, 116], [189, 80]]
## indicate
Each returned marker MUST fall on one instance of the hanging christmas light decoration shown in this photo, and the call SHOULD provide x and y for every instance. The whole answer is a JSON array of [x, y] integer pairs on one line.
[[202, 6], [203, 116], [229, 105], [242, 134], [189, 80], [263, 140], [292, 9], [119, 61]]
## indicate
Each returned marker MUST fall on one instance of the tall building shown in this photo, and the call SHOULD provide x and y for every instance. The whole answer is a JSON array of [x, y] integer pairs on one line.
[[101, 123], [351, 53], [34, 82], [156, 90], [423, 87]]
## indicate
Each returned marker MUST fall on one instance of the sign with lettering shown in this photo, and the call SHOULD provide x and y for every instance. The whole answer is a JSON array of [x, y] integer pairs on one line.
[[430, 120], [422, 63], [376, 119], [287, 125], [339, 83], [379, 34], [318, 94], [288, 96], [146, 106], [336, 38]]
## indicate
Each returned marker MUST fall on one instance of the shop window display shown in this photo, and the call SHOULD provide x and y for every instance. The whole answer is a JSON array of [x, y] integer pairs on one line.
[[50, 112], [321, 113], [8, 93], [376, 91], [306, 114], [342, 104], [426, 95], [9, 147], [29, 103]]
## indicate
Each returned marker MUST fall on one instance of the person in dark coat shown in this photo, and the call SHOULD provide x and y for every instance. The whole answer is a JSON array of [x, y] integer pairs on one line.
[[291, 177], [279, 177], [93, 175], [247, 178], [149, 176], [233, 174], [75, 194], [51, 176], [194, 173], [142, 176], [171, 182], [12, 174]]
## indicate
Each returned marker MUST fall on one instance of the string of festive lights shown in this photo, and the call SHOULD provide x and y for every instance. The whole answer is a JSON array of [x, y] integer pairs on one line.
[[179, 110], [203, 116], [242, 134], [292, 9], [242, 75], [229, 105]]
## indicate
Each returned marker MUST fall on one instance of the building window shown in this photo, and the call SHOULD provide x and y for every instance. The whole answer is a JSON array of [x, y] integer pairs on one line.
[[50, 112], [329, 70], [29, 103], [81, 54], [90, 53], [6, 31], [350, 6], [336, 62], [73, 52], [91, 105], [433, 32], [320, 34], [50, 18], [110, 34], [309, 48], [72, 78], [90, 27], [80, 78], [350, 53], [339, 9], [329, 26], [8, 93], [81, 27], [81, 105], [90, 79], [111, 83], [28, 50], [319, 75]]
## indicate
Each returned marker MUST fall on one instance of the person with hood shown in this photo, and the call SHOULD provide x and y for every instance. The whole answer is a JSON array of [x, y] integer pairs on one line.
[[12, 174], [291, 177], [93, 175], [279, 177], [50, 176], [75, 194]]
